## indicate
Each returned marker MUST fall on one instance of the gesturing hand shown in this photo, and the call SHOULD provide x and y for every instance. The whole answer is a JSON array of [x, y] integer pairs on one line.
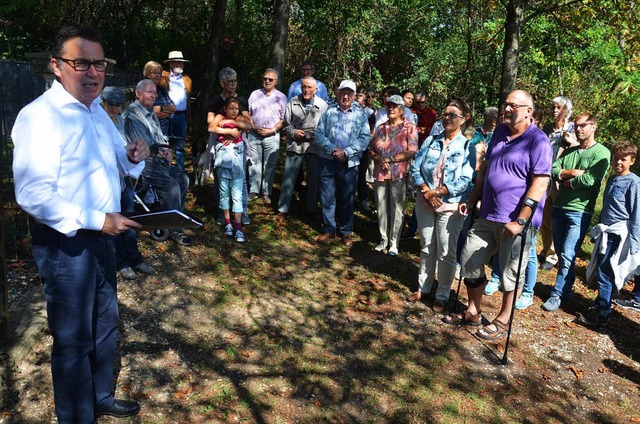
[[138, 151]]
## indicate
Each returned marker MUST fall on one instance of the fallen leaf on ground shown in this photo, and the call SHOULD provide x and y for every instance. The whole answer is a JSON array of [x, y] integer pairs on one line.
[[570, 324], [546, 377], [578, 372], [635, 419], [551, 328], [603, 370]]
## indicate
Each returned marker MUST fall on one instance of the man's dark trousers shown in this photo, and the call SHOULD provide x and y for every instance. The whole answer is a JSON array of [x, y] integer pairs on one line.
[[79, 278]]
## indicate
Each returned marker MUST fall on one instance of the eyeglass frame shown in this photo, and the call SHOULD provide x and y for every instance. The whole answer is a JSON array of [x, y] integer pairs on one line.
[[74, 64]]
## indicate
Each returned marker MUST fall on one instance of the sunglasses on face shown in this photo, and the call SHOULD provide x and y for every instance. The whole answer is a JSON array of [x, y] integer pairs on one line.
[[267, 79]]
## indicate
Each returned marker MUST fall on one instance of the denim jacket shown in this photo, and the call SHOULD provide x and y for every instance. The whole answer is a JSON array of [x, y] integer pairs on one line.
[[458, 168]]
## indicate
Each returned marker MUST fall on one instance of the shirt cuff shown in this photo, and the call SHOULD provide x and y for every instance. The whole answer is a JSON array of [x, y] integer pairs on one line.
[[92, 220]]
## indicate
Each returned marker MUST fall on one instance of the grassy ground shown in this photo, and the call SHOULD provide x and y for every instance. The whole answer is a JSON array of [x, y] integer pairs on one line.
[[282, 330]]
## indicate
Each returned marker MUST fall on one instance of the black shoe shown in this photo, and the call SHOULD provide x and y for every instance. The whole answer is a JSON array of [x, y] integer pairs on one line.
[[593, 318], [181, 238], [119, 409]]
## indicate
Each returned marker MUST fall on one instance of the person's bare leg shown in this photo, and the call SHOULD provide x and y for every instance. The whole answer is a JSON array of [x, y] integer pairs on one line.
[[475, 299]]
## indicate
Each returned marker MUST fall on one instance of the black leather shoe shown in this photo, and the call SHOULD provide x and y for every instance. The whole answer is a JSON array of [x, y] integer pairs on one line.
[[119, 409]]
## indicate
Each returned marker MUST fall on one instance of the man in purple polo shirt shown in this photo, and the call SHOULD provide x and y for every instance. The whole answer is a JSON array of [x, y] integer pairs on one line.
[[266, 106], [512, 180]]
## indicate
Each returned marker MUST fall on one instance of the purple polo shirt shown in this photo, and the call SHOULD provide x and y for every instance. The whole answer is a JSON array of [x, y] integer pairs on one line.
[[512, 165], [267, 111]]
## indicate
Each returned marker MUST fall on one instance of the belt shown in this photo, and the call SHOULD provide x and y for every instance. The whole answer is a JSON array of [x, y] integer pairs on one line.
[[82, 232], [179, 112]]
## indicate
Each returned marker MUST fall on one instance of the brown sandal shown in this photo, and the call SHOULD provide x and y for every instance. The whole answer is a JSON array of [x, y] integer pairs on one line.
[[464, 319], [491, 335]]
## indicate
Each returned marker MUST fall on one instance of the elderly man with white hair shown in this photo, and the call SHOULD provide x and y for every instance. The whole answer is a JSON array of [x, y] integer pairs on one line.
[[342, 135], [300, 121]]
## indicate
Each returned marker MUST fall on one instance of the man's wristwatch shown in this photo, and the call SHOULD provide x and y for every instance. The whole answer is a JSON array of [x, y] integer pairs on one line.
[[521, 221]]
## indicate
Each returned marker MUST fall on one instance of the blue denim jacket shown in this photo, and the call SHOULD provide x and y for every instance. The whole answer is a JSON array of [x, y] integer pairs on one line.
[[458, 167]]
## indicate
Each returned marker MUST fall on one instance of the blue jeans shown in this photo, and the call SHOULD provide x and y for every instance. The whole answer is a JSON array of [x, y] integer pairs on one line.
[[605, 276], [569, 229], [337, 194], [178, 128], [636, 289], [264, 158], [292, 166], [231, 189], [127, 253], [170, 183], [79, 276]]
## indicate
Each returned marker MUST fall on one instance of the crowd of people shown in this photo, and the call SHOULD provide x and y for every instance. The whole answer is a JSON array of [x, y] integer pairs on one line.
[[482, 193]]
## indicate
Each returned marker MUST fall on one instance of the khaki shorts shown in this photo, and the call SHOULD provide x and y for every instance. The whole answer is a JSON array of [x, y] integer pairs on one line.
[[483, 241]]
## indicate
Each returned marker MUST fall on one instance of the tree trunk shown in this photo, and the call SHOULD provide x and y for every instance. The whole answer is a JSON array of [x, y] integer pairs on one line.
[[279, 38], [511, 49], [209, 79]]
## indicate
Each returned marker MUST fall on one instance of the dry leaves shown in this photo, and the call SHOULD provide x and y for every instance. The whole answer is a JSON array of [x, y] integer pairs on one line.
[[578, 372]]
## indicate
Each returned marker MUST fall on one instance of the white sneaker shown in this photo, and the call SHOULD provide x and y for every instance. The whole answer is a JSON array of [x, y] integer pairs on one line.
[[380, 247], [228, 230], [240, 236]]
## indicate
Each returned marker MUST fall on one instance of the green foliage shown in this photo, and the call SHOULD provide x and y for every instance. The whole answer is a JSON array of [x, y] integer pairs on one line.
[[587, 50]]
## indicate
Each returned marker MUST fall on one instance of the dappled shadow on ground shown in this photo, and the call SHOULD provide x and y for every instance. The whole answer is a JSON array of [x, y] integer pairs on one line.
[[282, 329]]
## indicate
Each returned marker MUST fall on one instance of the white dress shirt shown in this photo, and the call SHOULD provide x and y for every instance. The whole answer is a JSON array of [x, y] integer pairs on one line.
[[178, 92], [67, 162]]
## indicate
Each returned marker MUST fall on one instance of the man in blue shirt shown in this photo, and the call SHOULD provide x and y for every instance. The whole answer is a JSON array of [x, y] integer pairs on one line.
[[341, 136], [306, 70]]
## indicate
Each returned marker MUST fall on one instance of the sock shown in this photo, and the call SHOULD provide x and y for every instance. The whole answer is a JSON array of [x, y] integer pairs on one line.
[[227, 221]]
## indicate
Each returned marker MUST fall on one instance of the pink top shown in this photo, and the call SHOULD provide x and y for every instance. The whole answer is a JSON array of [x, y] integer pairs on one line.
[[389, 141], [438, 173], [230, 125]]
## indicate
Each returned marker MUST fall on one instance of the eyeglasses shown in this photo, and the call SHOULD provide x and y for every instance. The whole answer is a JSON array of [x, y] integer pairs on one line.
[[266, 79], [513, 106], [583, 125], [451, 116], [151, 93], [394, 105], [113, 104], [83, 65], [420, 103], [230, 81]]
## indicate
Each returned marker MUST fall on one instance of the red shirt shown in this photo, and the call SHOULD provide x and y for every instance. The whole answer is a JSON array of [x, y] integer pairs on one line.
[[426, 118]]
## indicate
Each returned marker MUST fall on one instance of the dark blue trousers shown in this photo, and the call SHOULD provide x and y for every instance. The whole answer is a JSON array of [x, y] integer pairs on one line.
[[337, 195], [79, 276]]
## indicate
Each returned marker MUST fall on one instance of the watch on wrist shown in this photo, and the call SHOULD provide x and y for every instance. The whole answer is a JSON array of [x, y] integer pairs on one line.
[[438, 192], [521, 221]]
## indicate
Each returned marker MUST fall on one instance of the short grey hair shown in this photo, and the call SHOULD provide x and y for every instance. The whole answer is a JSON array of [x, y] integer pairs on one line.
[[142, 84], [312, 79], [491, 113], [566, 103], [227, 73], [271, 70]]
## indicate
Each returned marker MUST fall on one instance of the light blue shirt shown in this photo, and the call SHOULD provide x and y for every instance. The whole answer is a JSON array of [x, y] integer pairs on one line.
[[347, 130]]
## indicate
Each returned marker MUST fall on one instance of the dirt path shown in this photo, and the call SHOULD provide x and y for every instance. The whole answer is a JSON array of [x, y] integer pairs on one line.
[[281, 330]]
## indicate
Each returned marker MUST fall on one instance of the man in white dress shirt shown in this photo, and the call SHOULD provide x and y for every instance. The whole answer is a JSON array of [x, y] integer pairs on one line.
[[68, 158]]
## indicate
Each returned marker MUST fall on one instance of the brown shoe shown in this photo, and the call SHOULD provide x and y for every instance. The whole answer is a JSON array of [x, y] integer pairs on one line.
[[347, 240], [326, 237], [415, 296], [281, 218]]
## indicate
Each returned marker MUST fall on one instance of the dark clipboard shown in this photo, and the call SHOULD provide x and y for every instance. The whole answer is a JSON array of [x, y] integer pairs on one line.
[[164, 220]]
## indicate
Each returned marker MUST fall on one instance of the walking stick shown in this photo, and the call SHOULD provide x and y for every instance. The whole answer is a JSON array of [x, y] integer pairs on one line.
[[452, 310], [523, 234]]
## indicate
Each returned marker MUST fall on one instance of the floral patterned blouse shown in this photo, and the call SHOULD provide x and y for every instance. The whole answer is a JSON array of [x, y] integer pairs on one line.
[[389, 141]]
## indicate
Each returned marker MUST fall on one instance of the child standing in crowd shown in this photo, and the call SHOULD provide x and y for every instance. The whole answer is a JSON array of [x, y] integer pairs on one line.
[[226, 143], [616, 253]]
